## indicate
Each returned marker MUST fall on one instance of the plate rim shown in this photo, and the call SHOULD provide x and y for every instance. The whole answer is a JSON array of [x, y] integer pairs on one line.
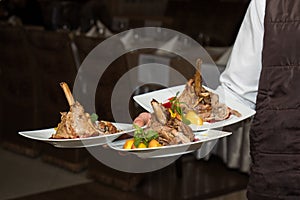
[[22, 133]]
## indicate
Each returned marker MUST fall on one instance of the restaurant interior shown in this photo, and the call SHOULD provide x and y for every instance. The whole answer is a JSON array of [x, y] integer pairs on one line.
[[44, 42]]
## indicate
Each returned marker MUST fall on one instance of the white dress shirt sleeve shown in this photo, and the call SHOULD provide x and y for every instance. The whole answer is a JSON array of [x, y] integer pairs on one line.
[[241, 75]]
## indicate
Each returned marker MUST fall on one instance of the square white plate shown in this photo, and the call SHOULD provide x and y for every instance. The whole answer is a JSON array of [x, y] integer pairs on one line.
[[45, 134], [163, 95]]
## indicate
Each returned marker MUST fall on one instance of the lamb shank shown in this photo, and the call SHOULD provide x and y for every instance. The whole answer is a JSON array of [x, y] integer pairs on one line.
[[77, 123]]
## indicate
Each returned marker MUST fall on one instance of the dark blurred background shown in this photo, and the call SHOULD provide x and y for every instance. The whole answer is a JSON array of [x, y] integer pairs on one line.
[[43, 42], [217, 20]]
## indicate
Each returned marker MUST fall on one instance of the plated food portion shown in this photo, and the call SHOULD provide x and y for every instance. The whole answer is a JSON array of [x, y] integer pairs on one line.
[[176, 115], [205, 104], [202, 108], [79, 124], [44, 135], [165, 129], [161, 129], [78, 128]]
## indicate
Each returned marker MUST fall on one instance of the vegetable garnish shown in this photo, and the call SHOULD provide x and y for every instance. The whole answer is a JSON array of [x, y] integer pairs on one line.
[[176, 110], [168, 104], [94, 117], [141, 136]]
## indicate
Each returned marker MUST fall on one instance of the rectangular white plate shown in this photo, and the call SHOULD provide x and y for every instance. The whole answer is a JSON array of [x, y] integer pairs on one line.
[[172, 150], [45, 134], [164, 94]]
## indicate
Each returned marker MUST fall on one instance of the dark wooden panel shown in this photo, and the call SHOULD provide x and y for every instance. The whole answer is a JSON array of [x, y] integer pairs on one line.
[[55, 63], [18, 90]]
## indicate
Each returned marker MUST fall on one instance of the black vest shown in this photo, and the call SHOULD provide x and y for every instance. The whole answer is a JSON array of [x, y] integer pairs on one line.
[[275, 132]]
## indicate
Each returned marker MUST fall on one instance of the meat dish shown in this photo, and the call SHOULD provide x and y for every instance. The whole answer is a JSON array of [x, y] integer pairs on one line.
[[203, 102], [77, 123]]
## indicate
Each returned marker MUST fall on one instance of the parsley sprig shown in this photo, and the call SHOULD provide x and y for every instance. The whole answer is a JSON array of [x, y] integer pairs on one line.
[[143, 136], [94, 117]]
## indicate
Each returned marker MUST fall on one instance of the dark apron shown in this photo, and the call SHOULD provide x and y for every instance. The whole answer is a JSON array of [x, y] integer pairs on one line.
[[275, 132]]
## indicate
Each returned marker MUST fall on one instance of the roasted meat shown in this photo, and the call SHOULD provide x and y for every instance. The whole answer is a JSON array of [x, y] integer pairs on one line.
[[107, 127], [205, 103], [170, 130], [77, 123]]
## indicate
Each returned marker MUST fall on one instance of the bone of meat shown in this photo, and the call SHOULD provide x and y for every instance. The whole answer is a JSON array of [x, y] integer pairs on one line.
[[68, 93], [198, 78]]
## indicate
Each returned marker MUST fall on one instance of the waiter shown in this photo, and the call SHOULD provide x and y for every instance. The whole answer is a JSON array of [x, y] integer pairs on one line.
[[264, 73]]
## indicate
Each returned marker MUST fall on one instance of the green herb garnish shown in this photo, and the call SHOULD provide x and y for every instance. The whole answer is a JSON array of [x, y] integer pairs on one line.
[[175, 108], [94, 117], [143, 136]]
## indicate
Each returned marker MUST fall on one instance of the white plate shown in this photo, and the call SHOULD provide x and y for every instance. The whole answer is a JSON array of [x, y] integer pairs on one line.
[[171, 150], [45, 134], [163, 95]]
